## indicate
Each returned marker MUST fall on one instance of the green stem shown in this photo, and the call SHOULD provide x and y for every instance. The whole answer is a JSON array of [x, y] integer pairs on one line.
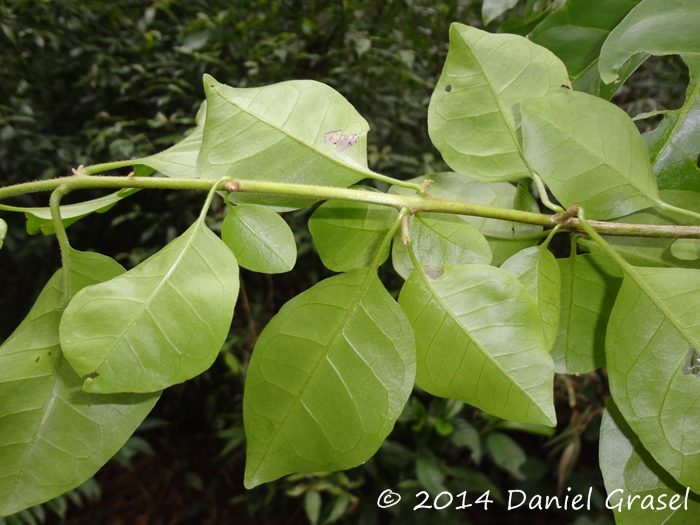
[[543, 194], [62, 237], [682, 211], [108, 166], [601, 242], [551, 235], [210, 197], [420, 190], [379, 256], [415, 203]]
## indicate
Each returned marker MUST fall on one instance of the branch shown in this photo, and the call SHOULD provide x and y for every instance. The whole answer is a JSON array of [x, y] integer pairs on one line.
[[416, 203]]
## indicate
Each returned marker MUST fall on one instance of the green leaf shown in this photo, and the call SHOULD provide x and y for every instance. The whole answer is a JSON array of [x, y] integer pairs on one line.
[[650, 251], [39, 219], [657, 27], [347, 235], [439, 239], [589, 285], [465, 321], [589, 153], [329, 376], [53, 436], [675, 144], [429, 473], [161, 323], [575, 33], [652, 329], [504, 237], [686, 249], [3, 231], [492, 9], [312, 505], [537, 269], [506, 453], [628, 467], [473, 117], [260, 239], [283, 133]]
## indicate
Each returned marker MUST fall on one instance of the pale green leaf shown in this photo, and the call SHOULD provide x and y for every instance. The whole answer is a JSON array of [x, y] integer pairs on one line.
[[329, 376], [652, 330], [439, 239], [161, 323], [473, 117], [505, 238], [650, 251], [347, 235], [260, 239], [575, 33], [675, 144], [283, 133], [537, 269], [657, 27], [492, 9], [630, 470], [53, 436], [39, 219], [589, 285], [3, 231], [312, 505], [589, 153], [465, 321]]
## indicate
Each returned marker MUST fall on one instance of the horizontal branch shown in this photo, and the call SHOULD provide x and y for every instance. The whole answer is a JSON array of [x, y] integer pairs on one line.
[[415, 203]]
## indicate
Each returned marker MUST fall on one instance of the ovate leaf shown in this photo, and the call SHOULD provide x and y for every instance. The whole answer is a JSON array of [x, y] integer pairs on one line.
[[575, 33], [630, 471], [652, 333], [161, 323], [473, 118], [260, 239], [537, 269], [53, 436], [657, 27], [439, 239], [504, 237], [589, 285], [328, 377], [589, 153], [675, 144], [686, 249], [300, 132], [347, 235], [465, 319]]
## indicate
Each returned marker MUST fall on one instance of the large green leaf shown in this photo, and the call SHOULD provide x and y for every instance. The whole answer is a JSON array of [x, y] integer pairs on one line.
[[589, 285], [287, 132], [537, 269], [328, 377], [575, 33], [161, 323], [651, 251], [53, 436], [492, 9], [675, 144], [439, 239], [505, 238], [347, 235], [589, 153], [466, 319], [260, 239], [473, 118], [657, 27], [630, 471], [652, 331]]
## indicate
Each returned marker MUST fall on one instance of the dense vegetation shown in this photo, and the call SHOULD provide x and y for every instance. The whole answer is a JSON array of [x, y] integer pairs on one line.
[[93, 82]]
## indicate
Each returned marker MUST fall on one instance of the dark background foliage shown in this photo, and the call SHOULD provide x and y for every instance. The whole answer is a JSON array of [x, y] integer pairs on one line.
[[83, 82]]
